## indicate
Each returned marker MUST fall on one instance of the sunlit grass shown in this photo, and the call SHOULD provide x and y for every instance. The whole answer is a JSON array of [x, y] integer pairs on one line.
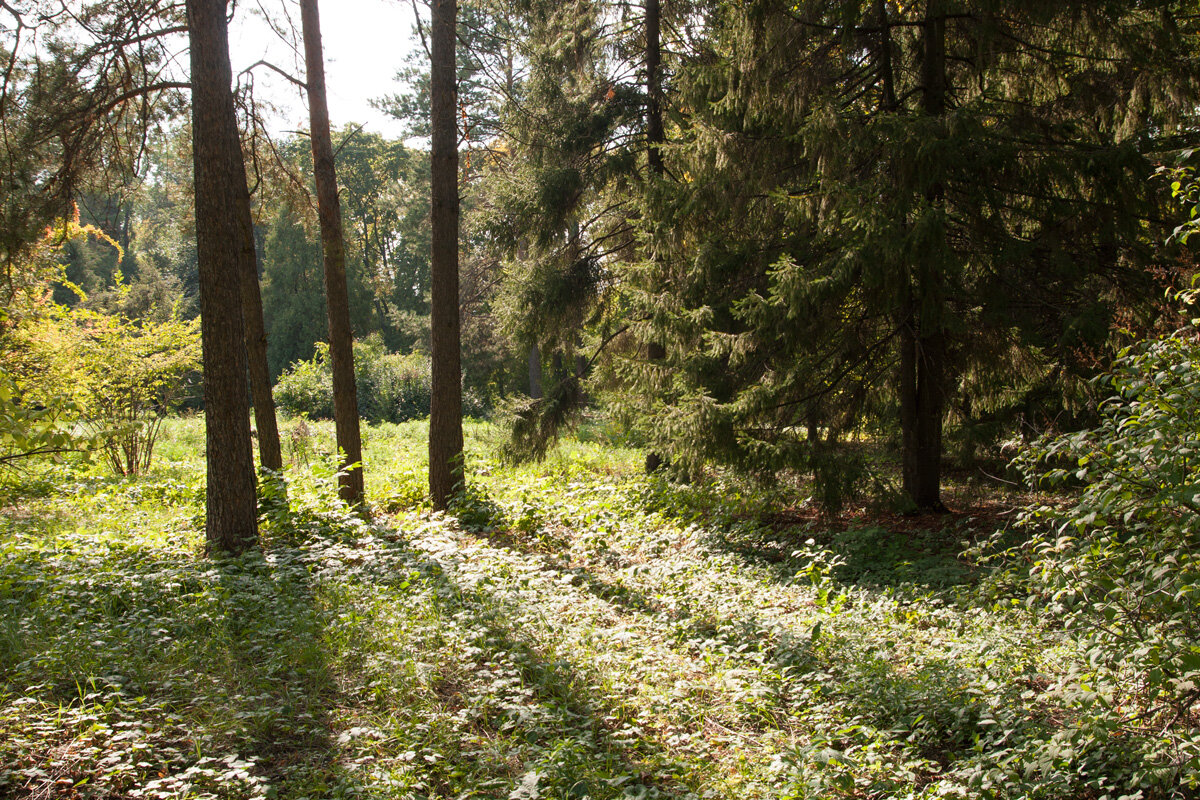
[[574, 629]]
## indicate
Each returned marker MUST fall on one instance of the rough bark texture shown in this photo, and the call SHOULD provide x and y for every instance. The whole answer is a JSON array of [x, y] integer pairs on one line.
[[270, 454], [445, 419], [885, 56], [231, 520], [655, 136], [922, 334], [337, 299], [535, 372]]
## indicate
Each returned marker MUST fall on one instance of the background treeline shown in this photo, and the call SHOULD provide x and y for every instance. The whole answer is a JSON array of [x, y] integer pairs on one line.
[[754, 233], [385, 195]]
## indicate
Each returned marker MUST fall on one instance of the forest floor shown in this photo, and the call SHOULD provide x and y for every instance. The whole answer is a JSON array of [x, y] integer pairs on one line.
[[573, 630]]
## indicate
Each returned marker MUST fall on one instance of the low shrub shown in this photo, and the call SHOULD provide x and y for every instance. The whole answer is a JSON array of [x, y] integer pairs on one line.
[[391, 387], [1118, 566]]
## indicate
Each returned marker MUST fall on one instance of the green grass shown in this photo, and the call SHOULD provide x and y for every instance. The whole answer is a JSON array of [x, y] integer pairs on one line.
[[573, 630]]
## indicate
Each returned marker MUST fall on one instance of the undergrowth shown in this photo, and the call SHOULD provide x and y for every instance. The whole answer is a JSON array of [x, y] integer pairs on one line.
[[572, 630]]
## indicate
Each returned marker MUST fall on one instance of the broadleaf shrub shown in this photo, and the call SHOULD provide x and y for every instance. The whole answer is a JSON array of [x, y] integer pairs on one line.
[[62, 364], [1120, 566]]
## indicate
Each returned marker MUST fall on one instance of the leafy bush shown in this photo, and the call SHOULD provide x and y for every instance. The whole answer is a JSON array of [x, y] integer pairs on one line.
[[134, 375], [391, 387], [1119, 566], [26, 431], [61, 365], [306, 388]]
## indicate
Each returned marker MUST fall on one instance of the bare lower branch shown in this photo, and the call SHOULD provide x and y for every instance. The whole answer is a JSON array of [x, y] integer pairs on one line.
[[287, 75]]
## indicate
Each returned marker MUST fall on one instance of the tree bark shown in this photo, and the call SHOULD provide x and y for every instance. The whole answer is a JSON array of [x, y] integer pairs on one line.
[[445, 418], [655, 134], [270, 454], [535, 372], [885, 57], [655, 137], [922, 331], [337, 298], [231, 515]]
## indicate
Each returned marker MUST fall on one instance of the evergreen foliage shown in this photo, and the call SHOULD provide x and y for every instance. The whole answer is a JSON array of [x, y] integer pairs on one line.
[[838, 244], [561, 201], [81, 88]]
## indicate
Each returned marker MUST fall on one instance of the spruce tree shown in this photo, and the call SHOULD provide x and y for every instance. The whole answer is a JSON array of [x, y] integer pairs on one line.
[[578, 135], [881, 197]]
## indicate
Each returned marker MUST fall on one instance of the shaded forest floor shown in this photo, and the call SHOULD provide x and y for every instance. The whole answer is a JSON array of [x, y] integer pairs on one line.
[[573, 630]]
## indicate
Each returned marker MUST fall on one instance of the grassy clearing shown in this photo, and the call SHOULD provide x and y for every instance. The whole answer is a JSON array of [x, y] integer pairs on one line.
[[574, 630]]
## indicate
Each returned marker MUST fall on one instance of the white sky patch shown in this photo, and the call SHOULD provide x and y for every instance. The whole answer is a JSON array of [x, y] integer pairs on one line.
[[365, 43]]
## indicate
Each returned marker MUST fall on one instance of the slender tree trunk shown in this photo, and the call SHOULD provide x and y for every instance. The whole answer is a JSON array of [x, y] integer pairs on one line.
[[445, 418], [909, 449], [535, 372], [655, 137], [655, 134], [270, 455], [231, 515], [337, 298], [581, 374], [922, 332], [885, 57]]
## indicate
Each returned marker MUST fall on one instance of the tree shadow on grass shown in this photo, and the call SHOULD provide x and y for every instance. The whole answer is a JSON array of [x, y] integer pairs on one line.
[[929, 714], [138, 670], [743, 640], [516, 719], [920, 554], [280, 687]]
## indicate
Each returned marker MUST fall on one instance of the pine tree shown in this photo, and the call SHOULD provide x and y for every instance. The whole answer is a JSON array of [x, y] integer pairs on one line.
[[231, 521], [445, 420], [337, 299]]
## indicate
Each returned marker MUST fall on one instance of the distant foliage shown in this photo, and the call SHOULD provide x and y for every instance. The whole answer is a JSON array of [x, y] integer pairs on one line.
[[306, 387], [391, 387]]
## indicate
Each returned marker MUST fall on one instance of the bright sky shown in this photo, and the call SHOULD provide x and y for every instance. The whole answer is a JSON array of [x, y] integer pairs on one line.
[[365, 43]]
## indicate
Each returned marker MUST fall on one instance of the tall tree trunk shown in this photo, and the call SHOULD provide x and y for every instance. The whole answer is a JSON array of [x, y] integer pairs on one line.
[[655, 134], [445, 418], [885, 57], [337, 298], [231, 516], [535, 372], [922, 332], [270, 454], [655, 137]]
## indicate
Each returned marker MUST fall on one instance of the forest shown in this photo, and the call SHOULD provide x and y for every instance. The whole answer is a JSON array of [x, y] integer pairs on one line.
[[698, 399]]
